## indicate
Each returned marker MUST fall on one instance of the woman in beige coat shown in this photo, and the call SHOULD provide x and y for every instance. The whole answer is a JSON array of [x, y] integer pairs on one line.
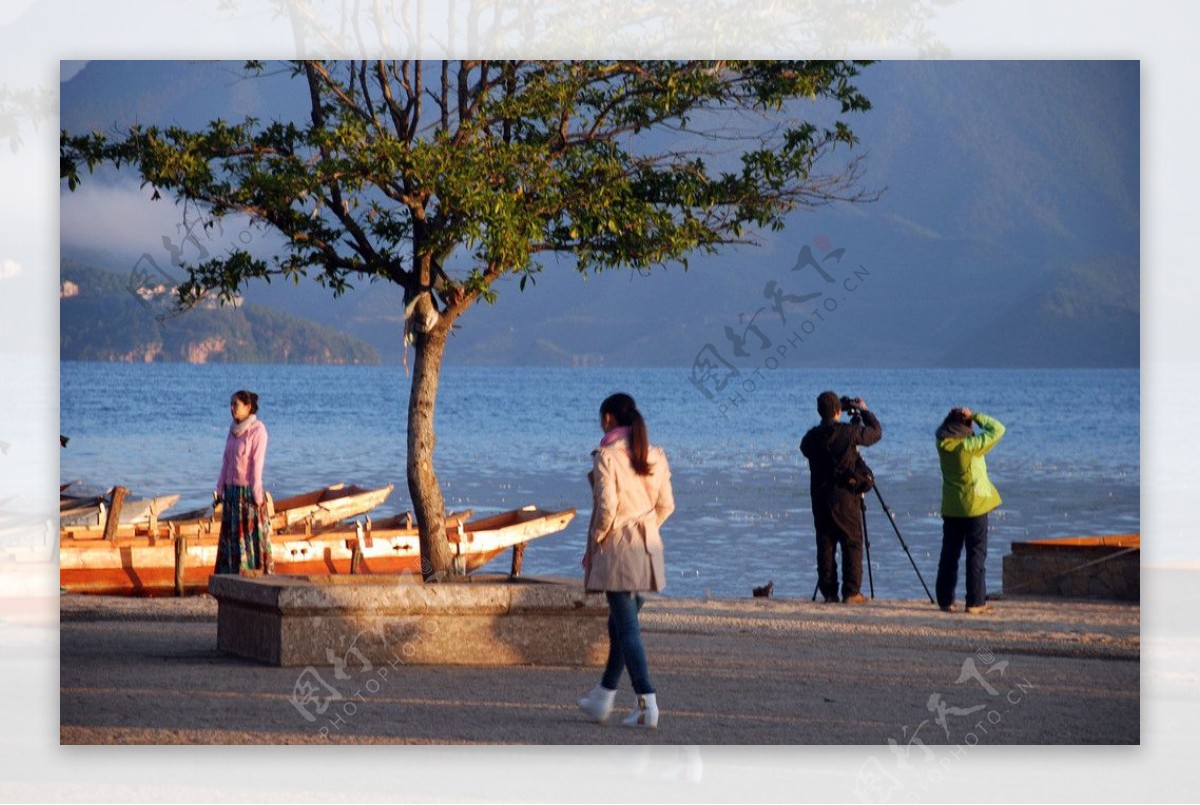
[[631, 492]]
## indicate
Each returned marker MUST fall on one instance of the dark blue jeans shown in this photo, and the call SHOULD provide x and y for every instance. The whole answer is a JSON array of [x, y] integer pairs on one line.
[[958, 532], [625, 644]]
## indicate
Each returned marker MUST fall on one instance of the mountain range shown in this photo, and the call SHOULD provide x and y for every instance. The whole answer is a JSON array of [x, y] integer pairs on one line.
[[1007, 234], [106, 317]]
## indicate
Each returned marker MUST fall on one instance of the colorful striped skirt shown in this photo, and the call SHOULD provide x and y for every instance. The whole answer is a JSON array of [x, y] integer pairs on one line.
[[245, 542]]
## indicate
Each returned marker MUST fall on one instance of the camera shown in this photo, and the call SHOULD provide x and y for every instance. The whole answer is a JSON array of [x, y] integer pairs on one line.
[[850, 406]]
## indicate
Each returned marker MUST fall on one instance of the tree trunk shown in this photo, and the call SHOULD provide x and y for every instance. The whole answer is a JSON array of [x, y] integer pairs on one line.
[[437, 560]]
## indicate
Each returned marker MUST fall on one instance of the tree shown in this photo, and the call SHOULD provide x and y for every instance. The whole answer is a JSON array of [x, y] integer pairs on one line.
[[443, 179]]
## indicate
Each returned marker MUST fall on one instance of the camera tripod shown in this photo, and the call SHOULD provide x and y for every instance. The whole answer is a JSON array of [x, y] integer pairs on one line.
[[862, 505]]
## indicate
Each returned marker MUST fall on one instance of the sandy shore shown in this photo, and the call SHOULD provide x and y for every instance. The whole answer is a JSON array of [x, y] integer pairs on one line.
[[727, 672]]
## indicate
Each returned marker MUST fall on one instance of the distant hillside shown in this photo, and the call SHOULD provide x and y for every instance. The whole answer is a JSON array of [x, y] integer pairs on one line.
[[106, 317], [1086, 315]]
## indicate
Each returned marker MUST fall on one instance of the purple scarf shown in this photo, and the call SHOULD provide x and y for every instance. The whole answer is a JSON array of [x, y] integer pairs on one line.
[[615, 435]]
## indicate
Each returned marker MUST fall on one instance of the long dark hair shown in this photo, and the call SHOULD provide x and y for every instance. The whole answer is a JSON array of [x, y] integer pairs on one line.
[[249, 398], [622, 408]]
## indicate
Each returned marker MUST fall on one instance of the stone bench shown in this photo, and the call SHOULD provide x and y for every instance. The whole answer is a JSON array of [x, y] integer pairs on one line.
[[338, 619]]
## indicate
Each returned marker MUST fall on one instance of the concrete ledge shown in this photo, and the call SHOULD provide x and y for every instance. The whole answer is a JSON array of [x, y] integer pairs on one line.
[[1073, 568], [360, 620]]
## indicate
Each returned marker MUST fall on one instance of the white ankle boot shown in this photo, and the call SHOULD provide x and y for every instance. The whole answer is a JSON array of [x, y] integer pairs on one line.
[[598, 704], [645, 713]]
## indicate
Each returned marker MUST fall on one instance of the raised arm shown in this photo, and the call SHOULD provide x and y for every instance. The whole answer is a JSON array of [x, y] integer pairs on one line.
[[870, 431], [983, 442]]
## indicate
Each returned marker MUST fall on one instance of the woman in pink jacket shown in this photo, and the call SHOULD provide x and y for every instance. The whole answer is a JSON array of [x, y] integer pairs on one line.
[[244, 545], [631, 492]]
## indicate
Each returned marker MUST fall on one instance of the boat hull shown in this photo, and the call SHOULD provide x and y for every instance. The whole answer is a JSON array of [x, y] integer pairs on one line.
[[147, 565]]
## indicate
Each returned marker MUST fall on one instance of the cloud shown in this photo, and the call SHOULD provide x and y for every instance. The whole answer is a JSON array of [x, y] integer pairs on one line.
[[913, 227], [9, 268], [121, 219]]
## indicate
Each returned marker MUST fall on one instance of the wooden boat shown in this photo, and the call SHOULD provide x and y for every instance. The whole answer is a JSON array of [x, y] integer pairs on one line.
[[92, 510], [310, 512], [147, 564]]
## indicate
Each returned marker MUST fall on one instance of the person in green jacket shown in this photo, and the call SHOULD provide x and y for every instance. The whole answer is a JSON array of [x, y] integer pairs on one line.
[[967, 497]]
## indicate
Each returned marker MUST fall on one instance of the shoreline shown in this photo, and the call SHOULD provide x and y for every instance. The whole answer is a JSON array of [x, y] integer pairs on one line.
[[731, 671]]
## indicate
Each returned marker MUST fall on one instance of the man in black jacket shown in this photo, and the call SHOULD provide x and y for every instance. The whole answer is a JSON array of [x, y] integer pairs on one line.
[[832, 452]]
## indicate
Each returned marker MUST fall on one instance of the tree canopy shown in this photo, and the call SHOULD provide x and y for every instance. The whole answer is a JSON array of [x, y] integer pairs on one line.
[[444, 178], [403, 163]]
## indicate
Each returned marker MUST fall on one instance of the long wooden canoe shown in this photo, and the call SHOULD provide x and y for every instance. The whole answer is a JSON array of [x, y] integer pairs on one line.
[[91, 511], [147, 564], [310, 512]]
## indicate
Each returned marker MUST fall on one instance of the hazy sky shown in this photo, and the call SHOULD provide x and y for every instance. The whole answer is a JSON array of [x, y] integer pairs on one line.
[[1010, 181]]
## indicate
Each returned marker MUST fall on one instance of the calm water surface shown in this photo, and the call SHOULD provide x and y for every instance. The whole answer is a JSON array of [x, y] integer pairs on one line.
[[1068, 465]]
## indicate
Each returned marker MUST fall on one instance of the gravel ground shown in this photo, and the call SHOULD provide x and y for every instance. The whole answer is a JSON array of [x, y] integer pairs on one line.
[[757, 671]]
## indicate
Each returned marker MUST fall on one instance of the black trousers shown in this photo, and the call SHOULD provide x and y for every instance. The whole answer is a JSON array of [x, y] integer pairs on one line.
[[838, 521], [958, 533]]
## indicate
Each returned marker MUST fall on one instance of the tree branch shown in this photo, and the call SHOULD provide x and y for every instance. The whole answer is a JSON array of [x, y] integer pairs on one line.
[[337, 204], [399, 122]]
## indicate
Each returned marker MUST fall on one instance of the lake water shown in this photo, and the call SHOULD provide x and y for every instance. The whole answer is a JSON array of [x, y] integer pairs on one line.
[[507, 437]]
